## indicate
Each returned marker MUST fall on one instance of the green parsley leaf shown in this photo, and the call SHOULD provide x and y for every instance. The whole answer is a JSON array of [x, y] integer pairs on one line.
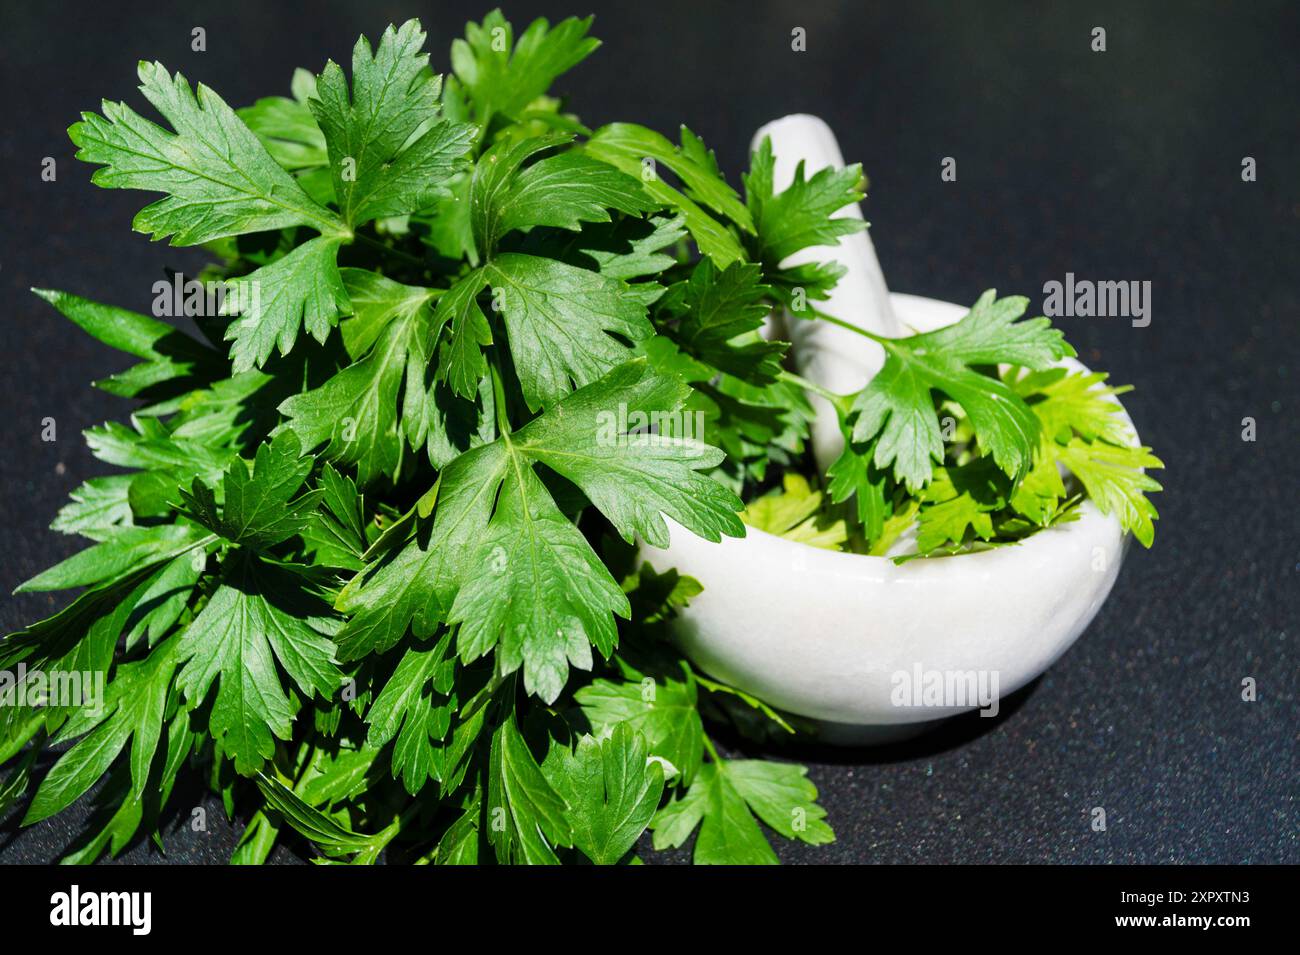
[[720, 313], [782, 796], [411, 710], [555, 596], [117, 557], [464, 365], [131, 711], [459, 845], [168, 354], [358, 410], [262, 508], [626, 249], [300, 290], [722, 802], [635, 149], [504, 77], [663, 710], [219, 179], [258, 616], [896, 410], [854, 475], [491, 183], [612, 790], [566, 190], [97, 509], [528, 817], [633, 477], [159, 602], [561, 323], [324, 832], [390, 151], [287, 127], [803, 215], [544, 598], [336, 535]]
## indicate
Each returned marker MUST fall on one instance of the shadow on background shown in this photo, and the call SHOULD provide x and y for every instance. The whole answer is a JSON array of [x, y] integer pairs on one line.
[[949, 735]]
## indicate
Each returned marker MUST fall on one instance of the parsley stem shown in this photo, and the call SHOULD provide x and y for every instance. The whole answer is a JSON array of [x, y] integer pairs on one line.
[[499, 397], [879, 339], [841, 403], [713, 753]]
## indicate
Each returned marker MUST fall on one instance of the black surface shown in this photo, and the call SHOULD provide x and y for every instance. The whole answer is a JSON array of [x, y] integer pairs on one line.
[[1117, 165]]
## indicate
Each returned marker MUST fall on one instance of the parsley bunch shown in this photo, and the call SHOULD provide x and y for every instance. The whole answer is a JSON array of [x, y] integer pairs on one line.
[[377, 513]]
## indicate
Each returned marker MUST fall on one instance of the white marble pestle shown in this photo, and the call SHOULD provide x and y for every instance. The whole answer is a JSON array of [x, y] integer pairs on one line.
[[833, 357]]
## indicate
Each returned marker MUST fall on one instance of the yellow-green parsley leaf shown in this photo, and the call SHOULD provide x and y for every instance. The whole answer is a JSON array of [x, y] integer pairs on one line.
[[1038, 497], [959, 498], [1072, 402], [1084, 429], [796, 512], [1113, 477]]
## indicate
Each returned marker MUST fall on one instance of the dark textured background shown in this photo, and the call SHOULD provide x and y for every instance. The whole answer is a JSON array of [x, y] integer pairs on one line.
[[1116, 165]]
